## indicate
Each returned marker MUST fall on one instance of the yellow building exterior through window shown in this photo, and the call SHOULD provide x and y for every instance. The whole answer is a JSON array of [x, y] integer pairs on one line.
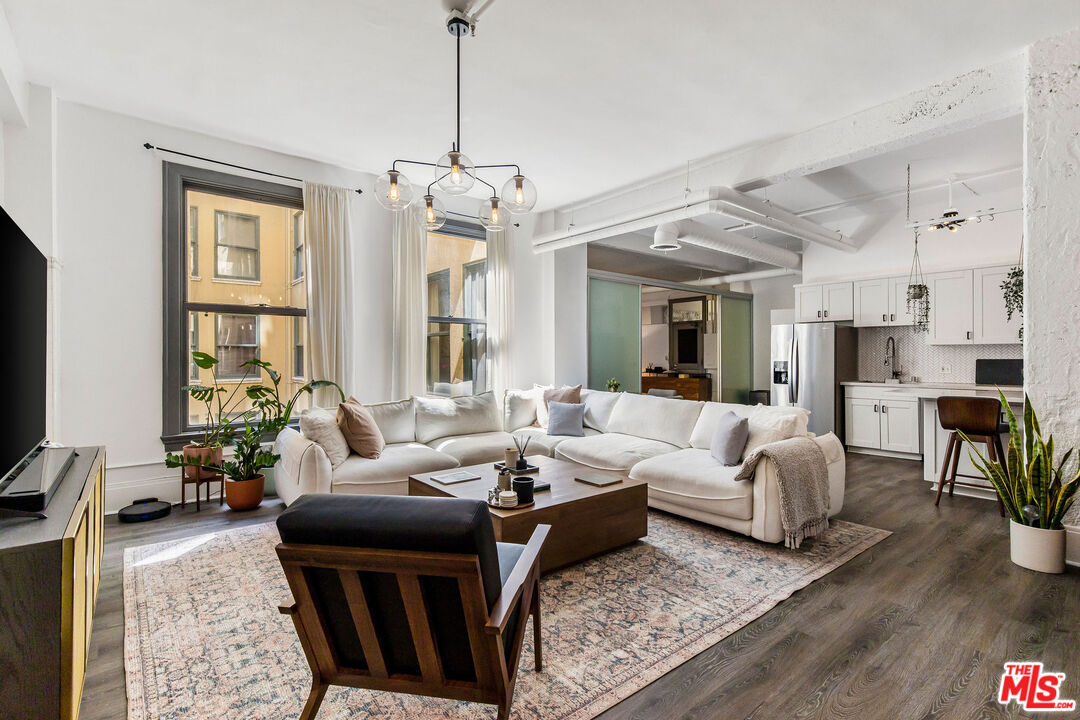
[[457, 314]]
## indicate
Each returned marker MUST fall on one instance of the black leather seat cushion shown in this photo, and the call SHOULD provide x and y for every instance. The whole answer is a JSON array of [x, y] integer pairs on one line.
[[447, 525]]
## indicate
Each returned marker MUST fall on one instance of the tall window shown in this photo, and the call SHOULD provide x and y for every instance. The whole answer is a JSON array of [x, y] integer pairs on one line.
[[298, 246], [248, 306], [457, 310], [193, 241], [236, 244]]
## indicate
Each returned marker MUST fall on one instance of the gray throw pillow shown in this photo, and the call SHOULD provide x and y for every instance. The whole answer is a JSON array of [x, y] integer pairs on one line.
[[729, 439], [566, 419]]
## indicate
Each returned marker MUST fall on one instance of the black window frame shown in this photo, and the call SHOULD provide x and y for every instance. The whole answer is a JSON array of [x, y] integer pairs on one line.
[[238, 374], [470, 231], [257, 249], [177, 179]]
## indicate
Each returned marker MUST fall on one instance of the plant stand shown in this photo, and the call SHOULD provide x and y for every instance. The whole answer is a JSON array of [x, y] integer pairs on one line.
[[198, 477]]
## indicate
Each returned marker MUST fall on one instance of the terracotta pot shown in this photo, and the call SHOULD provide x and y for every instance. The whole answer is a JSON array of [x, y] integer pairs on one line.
[[211, 455], [1037, 549], [245, 494]]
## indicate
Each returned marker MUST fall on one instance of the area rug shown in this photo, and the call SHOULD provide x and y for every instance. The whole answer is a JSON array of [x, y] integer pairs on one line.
[[203, 637]]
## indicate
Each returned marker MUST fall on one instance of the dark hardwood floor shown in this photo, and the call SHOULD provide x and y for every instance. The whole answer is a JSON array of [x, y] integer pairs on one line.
[[918, 626]]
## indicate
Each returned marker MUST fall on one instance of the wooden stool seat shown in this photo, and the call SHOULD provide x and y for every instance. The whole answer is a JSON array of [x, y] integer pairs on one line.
[[979, 419]]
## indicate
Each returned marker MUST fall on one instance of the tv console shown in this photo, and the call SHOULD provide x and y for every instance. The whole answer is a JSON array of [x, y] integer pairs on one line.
[[49, 573]]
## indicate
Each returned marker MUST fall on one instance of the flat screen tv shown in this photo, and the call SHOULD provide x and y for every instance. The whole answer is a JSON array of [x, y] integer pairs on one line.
[[23, 308]]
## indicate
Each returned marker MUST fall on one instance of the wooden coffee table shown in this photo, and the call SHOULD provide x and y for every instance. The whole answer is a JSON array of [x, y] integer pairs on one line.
[[585, 520]]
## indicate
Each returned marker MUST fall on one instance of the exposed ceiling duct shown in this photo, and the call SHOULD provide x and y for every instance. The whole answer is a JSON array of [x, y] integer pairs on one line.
[[743, 277], [695, 233], [715, 200]]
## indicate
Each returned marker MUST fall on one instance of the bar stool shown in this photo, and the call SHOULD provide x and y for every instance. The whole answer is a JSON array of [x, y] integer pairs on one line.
[[978, 418]]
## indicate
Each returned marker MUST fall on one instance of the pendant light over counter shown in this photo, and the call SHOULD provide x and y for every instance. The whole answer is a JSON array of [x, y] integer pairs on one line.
[[454, 173]]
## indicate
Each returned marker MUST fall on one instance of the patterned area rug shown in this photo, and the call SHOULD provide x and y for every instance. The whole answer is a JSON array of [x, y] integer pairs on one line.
[[203, 637]]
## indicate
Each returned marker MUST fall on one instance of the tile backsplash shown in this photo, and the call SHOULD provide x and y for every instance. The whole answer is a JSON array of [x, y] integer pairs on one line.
[[918, 359]]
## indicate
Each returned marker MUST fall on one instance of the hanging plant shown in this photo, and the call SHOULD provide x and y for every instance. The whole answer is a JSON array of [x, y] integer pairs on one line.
[[1013, 291], [918, 293]]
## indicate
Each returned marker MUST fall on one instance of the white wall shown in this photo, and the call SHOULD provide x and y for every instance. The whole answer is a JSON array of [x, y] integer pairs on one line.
[[769, 294], [108, 237]]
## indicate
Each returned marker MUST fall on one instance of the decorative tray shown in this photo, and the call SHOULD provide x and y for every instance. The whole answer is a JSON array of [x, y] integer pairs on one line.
[[519, 506], [528, 469]]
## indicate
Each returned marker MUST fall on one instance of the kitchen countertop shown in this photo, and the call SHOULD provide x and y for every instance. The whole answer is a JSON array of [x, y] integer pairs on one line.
[[933, 390]]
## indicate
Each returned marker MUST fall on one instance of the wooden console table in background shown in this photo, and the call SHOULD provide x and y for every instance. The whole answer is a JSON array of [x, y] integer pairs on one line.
[[49, 572], [691, 388]]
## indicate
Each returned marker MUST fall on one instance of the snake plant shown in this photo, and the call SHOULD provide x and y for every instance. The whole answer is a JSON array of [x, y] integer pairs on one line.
[[1034, 491]]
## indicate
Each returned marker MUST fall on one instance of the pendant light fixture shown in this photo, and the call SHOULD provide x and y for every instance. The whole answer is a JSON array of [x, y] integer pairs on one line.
[[454, 173]]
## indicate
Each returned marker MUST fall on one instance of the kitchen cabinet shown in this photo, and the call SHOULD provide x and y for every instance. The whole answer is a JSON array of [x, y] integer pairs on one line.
[[824, 302], [898, 312], [951, 308], [871, 300], [991, 323], [880, 422]]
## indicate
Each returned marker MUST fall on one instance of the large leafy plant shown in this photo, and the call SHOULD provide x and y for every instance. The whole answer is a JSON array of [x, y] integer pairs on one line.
[[267, 415], [1034, 491]]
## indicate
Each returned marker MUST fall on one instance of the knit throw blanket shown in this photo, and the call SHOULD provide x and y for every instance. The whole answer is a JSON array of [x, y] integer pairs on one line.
[[803, 482]]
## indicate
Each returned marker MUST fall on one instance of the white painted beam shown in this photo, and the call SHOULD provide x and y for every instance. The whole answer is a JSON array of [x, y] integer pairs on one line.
[[744, 277], [695, 233], [14, 89]]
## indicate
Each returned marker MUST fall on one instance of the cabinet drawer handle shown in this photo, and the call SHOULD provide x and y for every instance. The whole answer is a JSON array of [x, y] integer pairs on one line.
[[819, 313], [884, 317], [892, 317], [826, 313], [885, 409], [875, 408], [968, 334]]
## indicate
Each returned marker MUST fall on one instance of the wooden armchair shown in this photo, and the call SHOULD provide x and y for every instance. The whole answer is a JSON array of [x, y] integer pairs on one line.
[[409, 595]]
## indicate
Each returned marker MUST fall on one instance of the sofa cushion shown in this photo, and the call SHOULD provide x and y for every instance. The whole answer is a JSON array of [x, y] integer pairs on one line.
[[360, 429], [729, 439], [545, 444], [611, 451], [646, 416], [398, 461], [773, 424], [566, 394], [319, 425], [396, 420], [519, 409], [477, 448], [693, 478], [566, 419], [701, 437], [598, 407], [443, 417]]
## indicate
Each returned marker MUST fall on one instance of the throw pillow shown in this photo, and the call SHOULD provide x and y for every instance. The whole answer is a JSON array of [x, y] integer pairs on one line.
[[320, 426], [565, 394], [599, 404], [358, 426], [729, 439], [768, 426], [566, 419]]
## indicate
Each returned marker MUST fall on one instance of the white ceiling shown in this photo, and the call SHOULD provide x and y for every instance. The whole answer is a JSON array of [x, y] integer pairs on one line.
[[586, 96]]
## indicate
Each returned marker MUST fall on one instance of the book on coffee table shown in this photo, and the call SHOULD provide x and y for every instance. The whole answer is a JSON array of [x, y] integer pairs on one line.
[[598, 480], [457, 476]]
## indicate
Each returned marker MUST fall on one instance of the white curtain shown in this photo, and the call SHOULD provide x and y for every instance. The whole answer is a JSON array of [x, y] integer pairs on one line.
[[500, 309], [410, 305], [326, 234]]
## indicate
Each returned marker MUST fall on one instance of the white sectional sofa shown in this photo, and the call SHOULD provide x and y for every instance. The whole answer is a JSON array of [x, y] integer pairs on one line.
[[662, 441]]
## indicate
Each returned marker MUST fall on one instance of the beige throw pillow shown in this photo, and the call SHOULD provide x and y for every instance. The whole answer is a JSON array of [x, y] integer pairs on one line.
[[319, 426], [770, 424], [565, 394], [361, 432]]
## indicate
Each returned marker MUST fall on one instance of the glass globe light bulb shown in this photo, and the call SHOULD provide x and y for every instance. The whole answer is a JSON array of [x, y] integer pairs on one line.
[[393, 190], [492, 214], [455, 173], [518, 195], [434, 213]]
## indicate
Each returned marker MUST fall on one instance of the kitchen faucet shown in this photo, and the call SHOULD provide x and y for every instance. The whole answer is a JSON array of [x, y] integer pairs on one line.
[[890, 358]]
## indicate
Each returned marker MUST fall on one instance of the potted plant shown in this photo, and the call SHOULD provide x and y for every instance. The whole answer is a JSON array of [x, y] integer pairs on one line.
[[1013, 293], [613, 385], [218, 429], [1035, 492], [268, 415]]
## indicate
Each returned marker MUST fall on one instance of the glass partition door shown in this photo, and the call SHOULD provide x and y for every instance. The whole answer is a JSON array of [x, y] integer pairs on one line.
[[614, 334], [736, 348]]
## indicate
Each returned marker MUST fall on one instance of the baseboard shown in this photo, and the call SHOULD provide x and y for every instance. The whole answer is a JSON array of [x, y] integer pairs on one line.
[[884, 453], [127, 483]]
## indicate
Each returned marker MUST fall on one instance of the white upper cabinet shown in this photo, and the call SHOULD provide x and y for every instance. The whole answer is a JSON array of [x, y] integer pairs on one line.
[[837, 301], [991, 325], [823, 302], [898, 312], [809, 303], [871, 302], [951, 308]]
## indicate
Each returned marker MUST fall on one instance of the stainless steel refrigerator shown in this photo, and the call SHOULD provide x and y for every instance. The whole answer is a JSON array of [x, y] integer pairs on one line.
[[809, 361]]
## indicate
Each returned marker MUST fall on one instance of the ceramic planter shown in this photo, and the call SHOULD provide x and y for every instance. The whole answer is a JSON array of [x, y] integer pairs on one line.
[[245, 494], [208, 455], [1037, 549]]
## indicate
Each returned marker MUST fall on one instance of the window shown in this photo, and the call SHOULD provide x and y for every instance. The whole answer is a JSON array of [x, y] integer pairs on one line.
[[263, 316], [299, 333], [193, 344], [236, 245], [193, 242], [457, 310], [237, 343], [298, 246]]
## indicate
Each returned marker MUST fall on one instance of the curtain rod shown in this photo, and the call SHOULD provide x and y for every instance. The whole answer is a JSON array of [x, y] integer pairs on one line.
[[148, 146]]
